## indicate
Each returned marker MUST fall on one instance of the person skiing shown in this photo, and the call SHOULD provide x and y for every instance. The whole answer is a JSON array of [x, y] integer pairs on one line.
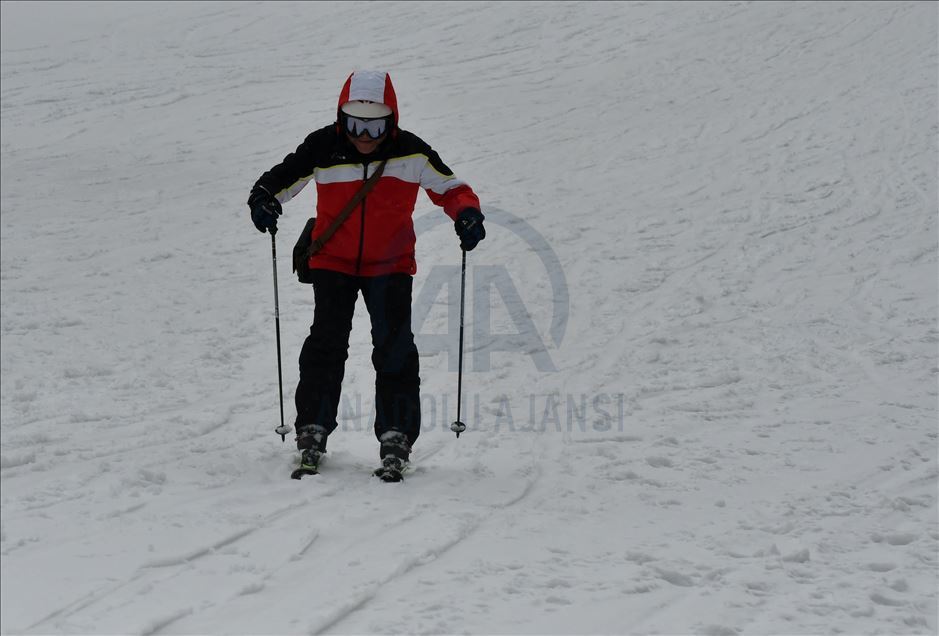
[[372, 251]]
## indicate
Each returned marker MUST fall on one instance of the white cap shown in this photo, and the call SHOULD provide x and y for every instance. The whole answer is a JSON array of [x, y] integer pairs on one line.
[[366, 110]]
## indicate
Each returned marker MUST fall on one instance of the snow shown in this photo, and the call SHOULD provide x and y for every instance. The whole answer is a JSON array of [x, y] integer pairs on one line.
[[715, 222]]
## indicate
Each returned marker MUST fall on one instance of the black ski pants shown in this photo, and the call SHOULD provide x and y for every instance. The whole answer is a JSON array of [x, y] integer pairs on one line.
[[394, 354]]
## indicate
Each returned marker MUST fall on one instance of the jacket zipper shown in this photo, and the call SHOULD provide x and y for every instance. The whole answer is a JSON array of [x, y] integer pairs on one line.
[[358, 261]]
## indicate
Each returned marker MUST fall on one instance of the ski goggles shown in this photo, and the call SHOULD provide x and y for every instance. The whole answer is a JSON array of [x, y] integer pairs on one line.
[[374, 128]]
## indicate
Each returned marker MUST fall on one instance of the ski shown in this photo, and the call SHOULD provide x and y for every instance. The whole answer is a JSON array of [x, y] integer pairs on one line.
[[299, 473], [389, 475], [392, 470]]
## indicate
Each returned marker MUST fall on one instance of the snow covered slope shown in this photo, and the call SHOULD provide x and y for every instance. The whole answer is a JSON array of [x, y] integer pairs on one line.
[[701, 382]]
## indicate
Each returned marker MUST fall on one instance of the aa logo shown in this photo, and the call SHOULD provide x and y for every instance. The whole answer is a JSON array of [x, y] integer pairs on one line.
[[498, 320]]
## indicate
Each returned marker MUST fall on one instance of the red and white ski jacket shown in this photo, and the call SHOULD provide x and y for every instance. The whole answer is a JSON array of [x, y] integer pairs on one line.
[[378, 238]]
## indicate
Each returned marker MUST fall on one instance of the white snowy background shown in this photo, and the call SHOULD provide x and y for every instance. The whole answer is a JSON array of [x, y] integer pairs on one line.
[[739, 435]]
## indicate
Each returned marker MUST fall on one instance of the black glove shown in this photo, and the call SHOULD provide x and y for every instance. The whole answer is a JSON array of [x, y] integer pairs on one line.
[[264, 209], [469, 227]]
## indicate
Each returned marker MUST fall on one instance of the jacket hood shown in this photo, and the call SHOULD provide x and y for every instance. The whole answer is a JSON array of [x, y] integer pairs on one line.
[[370, 86]]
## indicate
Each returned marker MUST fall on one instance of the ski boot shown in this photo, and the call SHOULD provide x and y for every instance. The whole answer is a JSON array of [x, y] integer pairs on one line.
[[394, 453], [312, 443]]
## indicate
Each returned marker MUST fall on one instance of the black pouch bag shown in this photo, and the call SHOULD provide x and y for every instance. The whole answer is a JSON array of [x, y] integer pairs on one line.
[[301, 253]]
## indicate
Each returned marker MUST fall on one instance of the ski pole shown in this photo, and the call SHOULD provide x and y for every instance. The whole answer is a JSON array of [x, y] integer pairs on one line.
[[281, 430], [458, 426]]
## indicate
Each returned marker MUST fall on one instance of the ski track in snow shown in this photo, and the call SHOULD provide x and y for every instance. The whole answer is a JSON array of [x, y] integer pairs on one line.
[[742, 198]]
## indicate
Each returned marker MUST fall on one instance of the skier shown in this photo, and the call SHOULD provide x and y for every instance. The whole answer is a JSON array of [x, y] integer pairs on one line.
[[372, 251]]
